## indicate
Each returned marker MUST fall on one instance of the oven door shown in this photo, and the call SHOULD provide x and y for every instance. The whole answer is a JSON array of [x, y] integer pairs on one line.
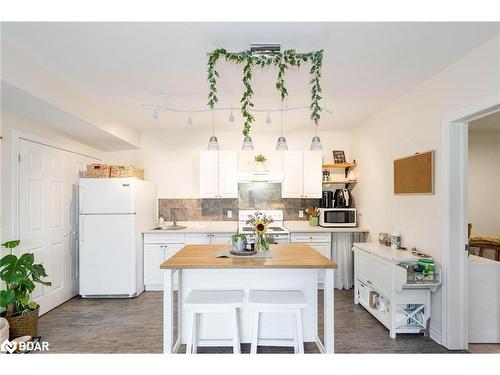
[[338, 218]]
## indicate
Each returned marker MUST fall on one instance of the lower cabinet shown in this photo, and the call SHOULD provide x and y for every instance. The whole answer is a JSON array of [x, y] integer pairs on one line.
[[154, 255], [158, 247], [321, 242]]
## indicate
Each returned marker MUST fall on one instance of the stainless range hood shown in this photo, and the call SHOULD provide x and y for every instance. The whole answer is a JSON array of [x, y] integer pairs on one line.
[[272, 177]]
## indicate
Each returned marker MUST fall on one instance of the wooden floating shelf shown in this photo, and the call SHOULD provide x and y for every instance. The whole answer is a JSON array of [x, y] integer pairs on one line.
[[339, 166], [338, 182]]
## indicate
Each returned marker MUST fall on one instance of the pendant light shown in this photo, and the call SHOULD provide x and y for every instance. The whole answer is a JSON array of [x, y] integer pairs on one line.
[[281, 145], [213, 143], [316, 142], [247, 144]]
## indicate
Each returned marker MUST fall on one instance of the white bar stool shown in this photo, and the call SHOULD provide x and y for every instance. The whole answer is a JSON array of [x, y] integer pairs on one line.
[[213, 301], [278, 301]]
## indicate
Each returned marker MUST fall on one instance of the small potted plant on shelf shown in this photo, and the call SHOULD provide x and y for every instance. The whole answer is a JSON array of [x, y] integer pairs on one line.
[[20, 275], [313, 213], [260, 161], [239, 242]]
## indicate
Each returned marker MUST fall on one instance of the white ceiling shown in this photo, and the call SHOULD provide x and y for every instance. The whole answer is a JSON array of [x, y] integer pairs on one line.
[[123, 65]]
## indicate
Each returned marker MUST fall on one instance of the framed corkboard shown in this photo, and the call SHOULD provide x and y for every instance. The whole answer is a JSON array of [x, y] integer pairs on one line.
[[414, 174]]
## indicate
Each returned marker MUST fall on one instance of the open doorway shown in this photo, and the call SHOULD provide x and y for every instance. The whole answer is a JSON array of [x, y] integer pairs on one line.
[[484, 233], [455, 220]]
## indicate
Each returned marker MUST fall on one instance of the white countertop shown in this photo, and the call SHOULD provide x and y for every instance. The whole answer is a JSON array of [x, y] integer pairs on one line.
[[201, 227], [387, 252], [480, 261], [304, 227]]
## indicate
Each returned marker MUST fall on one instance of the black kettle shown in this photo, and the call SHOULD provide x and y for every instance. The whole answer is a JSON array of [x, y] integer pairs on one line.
[[342, 198]]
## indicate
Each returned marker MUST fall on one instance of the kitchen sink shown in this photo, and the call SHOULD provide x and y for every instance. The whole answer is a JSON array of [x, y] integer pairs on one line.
[[170, 227]]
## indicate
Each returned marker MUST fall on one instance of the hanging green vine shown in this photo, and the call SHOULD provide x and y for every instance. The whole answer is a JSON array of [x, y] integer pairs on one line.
[[283, 60]]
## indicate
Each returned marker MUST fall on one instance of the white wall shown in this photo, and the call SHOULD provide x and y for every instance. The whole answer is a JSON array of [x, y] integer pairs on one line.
[[411, 124], [9, 123], [171, 159], [484, 181]]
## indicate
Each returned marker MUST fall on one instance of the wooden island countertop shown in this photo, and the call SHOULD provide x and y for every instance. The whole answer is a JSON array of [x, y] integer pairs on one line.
[[290, 256]]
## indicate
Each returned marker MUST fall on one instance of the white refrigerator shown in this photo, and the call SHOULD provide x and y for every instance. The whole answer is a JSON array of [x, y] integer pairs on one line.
[[113, 213]]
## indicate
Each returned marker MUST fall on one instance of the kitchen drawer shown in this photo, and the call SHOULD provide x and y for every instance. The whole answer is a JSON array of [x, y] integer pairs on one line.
[[362, 265], [164, 238], [381, 275], [310, 237], [221, 238], [198, 239]]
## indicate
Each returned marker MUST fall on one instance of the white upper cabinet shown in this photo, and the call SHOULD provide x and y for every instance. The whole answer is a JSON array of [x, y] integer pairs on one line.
[[209, 174], [228, 174], [218, 174], [293, 175], [313, 174], [302, 174]]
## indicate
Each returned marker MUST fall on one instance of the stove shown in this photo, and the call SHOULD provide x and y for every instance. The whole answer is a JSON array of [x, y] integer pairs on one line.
[[276, 232]]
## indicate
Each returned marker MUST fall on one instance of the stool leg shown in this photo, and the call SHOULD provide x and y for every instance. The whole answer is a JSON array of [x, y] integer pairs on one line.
[[295, 335], [236, 332], [196, 328], [255, 331], [189, 343], [300, 337]]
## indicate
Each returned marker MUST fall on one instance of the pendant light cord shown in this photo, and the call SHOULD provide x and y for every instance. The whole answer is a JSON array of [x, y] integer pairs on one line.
[[213, 123], [281, 118]]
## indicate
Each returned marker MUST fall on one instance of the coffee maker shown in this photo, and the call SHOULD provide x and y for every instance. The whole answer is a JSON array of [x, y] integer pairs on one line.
[[342, 198], [327, 199]]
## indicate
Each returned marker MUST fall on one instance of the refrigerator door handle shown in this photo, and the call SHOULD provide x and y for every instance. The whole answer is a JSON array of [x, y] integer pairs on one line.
[[80, 202], [82, 229]]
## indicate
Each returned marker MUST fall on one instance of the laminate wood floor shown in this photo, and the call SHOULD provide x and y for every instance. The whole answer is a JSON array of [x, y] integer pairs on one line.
[[135, 326]]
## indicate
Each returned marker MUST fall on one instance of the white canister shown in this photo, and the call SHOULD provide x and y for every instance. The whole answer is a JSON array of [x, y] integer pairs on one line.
[[395, 239]]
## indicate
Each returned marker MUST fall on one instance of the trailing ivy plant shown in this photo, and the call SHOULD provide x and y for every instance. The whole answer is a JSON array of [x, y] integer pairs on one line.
[[283, 60]]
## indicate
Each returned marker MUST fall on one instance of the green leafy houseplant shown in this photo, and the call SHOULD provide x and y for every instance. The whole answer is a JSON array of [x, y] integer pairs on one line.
[[20, 275]]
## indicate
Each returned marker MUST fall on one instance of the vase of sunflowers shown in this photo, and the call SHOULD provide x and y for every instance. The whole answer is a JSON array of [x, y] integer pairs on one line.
[[259, 223]]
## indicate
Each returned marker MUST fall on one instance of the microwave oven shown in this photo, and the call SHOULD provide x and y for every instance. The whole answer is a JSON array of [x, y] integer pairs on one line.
[[337, 217]]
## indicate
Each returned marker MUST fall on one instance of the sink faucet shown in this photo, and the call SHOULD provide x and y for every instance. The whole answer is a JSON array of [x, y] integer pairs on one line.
[[174, 222]]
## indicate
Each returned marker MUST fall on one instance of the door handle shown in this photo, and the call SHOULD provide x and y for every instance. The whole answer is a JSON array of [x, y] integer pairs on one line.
[[80, 201], [82, 234]]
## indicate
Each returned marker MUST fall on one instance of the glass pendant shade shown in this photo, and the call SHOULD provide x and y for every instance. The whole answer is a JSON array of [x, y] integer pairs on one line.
[[213, 144], [247, 144], [316, 144], [281, 145]]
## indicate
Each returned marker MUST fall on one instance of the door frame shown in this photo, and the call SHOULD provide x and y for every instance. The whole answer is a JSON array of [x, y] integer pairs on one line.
[[454, 206]]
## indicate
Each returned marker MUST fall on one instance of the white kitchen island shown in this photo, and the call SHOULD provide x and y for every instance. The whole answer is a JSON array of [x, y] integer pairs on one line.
[[291, 267]]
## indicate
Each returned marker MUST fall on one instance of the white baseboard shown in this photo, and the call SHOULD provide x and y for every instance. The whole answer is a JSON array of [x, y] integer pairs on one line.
[[435, 335]]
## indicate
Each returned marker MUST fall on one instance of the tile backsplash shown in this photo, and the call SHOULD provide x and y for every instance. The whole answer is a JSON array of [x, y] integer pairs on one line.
[[255, 195]]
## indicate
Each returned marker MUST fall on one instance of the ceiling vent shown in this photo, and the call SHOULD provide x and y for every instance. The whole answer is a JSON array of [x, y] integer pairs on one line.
[[264, 49]]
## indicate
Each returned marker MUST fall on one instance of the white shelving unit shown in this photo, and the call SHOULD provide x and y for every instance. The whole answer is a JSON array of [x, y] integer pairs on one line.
[[381, 286]]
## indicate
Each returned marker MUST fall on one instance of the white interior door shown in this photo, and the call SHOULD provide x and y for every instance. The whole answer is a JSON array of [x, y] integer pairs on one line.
[[47, 217]]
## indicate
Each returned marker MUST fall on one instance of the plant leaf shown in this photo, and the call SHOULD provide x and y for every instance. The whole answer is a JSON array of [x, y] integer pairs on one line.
[[7, 297]]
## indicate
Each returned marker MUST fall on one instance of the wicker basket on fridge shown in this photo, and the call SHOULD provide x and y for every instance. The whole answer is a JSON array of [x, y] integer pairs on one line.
[[126, 171], [98, 171]]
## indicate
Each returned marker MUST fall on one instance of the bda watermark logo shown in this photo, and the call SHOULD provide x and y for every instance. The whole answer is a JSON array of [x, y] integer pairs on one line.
[[10, 347]]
